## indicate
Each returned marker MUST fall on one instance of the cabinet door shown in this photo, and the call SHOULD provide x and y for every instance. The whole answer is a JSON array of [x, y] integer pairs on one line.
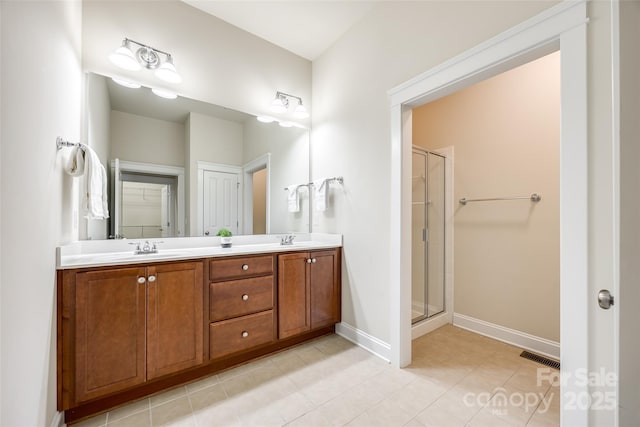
[[325, 288], [293, 295], [175, 318], [110, 331]]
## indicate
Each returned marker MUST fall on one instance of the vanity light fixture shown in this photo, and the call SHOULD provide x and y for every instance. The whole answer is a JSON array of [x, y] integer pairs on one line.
[[280, 104], [147, 57], [285, 124]]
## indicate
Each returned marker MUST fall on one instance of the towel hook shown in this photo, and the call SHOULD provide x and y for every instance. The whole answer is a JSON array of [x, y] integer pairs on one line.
[[61, 143]]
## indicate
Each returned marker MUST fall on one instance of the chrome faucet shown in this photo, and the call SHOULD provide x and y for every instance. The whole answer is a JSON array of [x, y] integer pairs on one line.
[[287, 240], [147, 248]]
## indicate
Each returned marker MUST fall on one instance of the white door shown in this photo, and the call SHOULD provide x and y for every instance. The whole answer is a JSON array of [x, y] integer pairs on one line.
[[220, 202]]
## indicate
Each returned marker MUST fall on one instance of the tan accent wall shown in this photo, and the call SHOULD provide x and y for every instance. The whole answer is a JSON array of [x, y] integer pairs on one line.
[[260, 202], [506, 137]]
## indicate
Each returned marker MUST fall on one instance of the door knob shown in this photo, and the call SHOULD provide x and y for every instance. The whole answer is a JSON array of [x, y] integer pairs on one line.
[[605, 299], [206, 233]]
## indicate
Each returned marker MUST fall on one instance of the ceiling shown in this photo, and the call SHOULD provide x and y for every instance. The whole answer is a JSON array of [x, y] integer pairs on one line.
[[304, 27]]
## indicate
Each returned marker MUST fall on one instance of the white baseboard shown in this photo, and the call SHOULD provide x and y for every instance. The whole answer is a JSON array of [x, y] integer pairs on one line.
[[429, 325], [58, 420], [364, 340], [535, 344]]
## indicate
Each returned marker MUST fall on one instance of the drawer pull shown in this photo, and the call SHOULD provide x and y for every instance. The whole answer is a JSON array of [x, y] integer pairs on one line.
[[245, 267], [245, 297], [141, 280], [245, 334]]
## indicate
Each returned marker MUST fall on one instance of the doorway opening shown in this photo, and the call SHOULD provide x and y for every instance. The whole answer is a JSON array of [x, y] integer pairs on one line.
[[505, 132], [563, 28], [147, 200], [259, 214], [148, 206]]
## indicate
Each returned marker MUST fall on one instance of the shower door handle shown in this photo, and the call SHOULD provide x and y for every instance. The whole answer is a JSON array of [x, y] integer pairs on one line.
[[425, 235]]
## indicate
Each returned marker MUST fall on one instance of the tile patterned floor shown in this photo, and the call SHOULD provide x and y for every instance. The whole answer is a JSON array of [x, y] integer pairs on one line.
[[457, 378]]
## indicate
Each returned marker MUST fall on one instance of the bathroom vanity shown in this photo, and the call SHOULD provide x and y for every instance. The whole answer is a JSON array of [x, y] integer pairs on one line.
[[134, 325]]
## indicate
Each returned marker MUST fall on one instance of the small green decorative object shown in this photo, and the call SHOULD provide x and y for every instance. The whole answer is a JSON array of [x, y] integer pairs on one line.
[[225, 237]]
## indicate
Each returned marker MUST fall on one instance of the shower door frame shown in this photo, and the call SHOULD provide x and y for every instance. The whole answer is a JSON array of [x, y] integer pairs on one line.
[[415, 322]]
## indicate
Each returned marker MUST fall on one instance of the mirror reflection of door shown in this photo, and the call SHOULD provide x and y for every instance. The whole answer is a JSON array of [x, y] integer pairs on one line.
[[260, 201], [220, 202], [148, 206]]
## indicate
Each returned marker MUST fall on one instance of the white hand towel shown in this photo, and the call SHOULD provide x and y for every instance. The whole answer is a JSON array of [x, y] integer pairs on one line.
[[84, 161], [293, 199], [96, 183], [320, 195], [75, 162]]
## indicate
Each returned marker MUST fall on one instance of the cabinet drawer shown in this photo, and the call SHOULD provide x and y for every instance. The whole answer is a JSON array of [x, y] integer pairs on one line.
[[231, 336], [237, 268], [239, 297]]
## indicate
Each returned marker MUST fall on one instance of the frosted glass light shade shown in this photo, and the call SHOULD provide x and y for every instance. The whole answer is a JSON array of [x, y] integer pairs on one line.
[[277, 106], [126, 83], [164, 93], [265, 119], [167, 72], [285, 124], [300, 112], [124, 58]]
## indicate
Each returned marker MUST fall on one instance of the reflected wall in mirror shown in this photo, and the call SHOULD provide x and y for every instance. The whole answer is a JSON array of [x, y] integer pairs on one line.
[[183, 167]]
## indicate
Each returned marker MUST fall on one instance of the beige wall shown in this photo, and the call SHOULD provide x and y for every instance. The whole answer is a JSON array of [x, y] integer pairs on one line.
[[142, 139], [350, 128], [259, 201], [506, 137], [41, 99]]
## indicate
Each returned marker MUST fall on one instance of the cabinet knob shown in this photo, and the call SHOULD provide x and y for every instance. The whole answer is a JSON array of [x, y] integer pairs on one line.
[[245, 334], [245, 267], [245, 297], [141, 280], [308, 260], [152, 279], [313, 260]]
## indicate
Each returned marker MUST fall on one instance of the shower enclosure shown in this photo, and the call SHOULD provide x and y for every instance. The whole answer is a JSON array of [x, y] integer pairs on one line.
[[427, 235]]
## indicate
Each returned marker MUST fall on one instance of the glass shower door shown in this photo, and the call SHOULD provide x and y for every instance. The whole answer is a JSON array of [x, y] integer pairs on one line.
[[418, 234], [427, 235], [435, 236]]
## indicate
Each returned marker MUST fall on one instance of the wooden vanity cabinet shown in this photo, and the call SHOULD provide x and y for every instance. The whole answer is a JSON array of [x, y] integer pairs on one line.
[[110, 330], [241, 304], [309, 293], [129, 331], [121, 327]]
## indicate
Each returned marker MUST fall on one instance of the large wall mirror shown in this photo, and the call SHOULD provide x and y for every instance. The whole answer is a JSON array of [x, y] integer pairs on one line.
[[182, 167]]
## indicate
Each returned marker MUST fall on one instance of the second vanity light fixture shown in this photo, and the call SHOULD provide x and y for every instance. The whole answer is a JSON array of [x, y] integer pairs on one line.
[[147, 57], [280, 104]]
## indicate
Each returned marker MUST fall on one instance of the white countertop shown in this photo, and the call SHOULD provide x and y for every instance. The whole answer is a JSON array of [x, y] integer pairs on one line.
[[96, 253]]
